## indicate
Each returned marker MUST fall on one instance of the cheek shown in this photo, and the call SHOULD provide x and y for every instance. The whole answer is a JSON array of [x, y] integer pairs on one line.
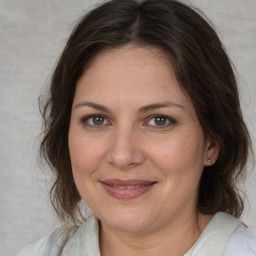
[[84, 153], [180, 153]]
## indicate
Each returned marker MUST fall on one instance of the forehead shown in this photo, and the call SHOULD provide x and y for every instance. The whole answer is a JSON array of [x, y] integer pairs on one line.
[[131, 73], [130, 59], [129, 51]]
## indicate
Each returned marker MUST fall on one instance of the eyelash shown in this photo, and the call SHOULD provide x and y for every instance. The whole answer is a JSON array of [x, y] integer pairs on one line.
[[170, 121], [86, 119]]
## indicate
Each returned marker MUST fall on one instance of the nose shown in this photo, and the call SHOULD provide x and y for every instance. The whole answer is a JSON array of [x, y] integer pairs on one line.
[[125, 150]]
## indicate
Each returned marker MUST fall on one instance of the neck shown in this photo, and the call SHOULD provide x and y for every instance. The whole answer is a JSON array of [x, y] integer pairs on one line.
[[174, 239]]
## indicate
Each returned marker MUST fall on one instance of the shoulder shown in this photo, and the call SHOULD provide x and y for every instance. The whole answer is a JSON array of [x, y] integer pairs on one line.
[[34, 249], [44, 246], [216, 234], [241, 242], [85, 238]]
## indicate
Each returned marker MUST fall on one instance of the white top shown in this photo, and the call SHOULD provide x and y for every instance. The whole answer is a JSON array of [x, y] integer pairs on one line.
[[223, 236]]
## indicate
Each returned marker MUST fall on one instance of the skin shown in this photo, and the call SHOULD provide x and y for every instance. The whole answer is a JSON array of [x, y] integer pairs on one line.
[[130, 143]]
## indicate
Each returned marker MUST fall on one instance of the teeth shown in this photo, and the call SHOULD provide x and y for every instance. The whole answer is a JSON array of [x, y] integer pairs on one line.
[[130, 187], [120, 187], [127, 187]]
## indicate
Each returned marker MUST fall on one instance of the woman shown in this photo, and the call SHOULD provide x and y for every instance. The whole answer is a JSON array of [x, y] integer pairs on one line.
[[143, 124]]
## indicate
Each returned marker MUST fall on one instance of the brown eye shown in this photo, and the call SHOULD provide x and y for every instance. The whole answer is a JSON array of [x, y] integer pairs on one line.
[[95, 120], [98, 120], [160, 120]]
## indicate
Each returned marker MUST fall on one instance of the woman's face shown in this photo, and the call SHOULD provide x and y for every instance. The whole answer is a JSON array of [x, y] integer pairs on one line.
[[136, 146]]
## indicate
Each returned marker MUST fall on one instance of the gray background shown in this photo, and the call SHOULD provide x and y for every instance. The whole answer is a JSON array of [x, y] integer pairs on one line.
[[32, 34]]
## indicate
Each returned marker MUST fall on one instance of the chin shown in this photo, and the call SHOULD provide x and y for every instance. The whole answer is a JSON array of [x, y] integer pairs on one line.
[[127, 222]]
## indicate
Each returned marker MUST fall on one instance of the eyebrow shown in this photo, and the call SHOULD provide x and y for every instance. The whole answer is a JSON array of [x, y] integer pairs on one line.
[[141, 110], [92, 105], [160, 105]]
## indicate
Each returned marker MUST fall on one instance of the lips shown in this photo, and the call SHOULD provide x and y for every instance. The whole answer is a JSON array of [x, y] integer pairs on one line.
[[126, 189]]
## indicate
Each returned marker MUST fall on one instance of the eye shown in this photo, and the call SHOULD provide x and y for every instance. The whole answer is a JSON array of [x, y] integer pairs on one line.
[[160, 121], [95, 120]]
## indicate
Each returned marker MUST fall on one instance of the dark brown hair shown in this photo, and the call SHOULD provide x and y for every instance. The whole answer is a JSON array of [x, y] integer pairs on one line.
[[202, 68]]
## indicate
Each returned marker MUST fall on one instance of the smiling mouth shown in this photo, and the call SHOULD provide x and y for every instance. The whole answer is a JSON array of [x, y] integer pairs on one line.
[[126, 189]]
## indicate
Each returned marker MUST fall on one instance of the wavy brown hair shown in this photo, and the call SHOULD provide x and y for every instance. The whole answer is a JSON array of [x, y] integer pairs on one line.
[[202, 68]]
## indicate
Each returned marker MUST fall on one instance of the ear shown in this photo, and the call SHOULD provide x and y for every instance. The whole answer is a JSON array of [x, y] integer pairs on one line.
[[212, 150]]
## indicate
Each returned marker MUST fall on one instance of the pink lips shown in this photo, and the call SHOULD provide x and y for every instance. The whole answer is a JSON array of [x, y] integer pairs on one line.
[[126, 189]]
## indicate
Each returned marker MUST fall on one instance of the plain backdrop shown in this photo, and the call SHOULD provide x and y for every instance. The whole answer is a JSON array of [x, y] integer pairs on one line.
[[32, 35]]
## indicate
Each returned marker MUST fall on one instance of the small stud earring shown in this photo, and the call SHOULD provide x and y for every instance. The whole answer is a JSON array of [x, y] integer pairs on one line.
[[209, 160]]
